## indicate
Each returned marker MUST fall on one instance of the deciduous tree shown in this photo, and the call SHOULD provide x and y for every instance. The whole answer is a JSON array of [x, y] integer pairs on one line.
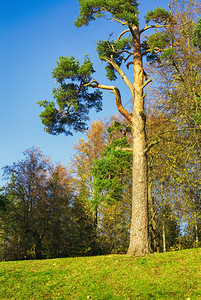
[[178, 101], [38, 222]]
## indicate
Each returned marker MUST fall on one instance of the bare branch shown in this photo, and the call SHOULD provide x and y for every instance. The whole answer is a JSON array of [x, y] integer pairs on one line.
[[115, 90], [153, 26], [125, 31], [177, 69], [151, 145], [146, 82], [120, 107], [124, 51], [92, 83], [96, 84], [130, 54], [145, 74], [128, 64], [121, 73], [145, 52], [152, 218], [156, 50], [122, 23], [178, 130]]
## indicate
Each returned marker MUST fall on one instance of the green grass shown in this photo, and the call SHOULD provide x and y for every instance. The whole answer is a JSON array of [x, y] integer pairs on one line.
[[173, 275]]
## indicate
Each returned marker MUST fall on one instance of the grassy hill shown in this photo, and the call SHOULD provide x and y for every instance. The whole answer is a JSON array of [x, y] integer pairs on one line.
[[173, 275]]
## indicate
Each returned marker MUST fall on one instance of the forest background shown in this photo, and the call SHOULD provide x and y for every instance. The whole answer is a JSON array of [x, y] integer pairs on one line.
[[49, 210]]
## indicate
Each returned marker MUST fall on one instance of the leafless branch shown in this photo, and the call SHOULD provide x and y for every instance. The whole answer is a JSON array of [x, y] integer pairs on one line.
[[128, 64], [121, 73], [122, 23], [115, 90], [146, 82], [151, 145], [153, 26], [125, 31]]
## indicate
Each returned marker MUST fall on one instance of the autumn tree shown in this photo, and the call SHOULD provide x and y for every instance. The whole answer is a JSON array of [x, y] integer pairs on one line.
[[105, 215], [60, 224], [38, 221], [74, 99], [112, 186], [178, 101], [86, 151], [25, 194]]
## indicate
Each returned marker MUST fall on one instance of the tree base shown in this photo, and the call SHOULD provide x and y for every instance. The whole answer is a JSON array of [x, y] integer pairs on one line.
[[139, 251]]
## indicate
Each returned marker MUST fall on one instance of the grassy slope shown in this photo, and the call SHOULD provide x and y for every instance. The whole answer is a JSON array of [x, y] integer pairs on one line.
[[174, 275]]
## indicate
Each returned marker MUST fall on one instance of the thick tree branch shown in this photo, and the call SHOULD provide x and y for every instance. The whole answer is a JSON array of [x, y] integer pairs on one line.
[[120, 107], [115, 90], [124, 51], [177, 69], [121, 73], [125, 31], [154, 214], [178, 130], [145, 52], [146, 82], [96, 84], [156, 50], [128, 64], [122, 23], [128, 52]]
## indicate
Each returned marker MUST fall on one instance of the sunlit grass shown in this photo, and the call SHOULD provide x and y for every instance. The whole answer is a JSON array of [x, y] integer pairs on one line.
[[174, 275]]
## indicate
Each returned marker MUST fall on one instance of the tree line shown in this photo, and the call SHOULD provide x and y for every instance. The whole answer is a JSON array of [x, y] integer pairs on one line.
[[49, 210], [151, 156]]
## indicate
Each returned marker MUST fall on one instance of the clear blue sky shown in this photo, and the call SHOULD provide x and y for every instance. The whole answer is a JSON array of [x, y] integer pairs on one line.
[[33, 34]]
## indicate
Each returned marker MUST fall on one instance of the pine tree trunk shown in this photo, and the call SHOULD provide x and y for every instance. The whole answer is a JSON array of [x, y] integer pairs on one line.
[[139, 240]]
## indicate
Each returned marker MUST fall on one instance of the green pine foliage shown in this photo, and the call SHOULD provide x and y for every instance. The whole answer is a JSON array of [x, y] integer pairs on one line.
[[158, 15], [90, 10], [158, 40], [111, 173], [114, 50], [72, 98], [73, 101]]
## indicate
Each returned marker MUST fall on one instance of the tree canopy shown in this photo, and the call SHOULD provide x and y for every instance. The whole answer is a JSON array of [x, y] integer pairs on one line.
[[73, 101]]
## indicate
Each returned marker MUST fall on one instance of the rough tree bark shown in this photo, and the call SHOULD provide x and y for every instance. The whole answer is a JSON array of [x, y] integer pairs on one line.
[[139, 240]]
